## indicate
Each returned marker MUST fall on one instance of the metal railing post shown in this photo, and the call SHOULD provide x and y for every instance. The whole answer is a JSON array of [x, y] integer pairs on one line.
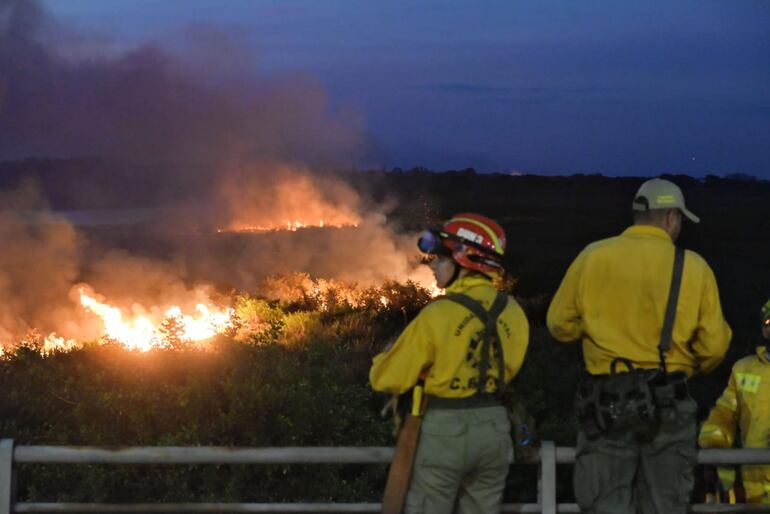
[[548, 477], [6, 476]]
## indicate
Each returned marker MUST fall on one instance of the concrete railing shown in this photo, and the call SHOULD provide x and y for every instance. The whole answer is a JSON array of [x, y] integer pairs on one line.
[[547, 459]]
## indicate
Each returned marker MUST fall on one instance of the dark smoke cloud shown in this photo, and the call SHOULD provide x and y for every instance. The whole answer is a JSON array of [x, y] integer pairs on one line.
[[148, 104]]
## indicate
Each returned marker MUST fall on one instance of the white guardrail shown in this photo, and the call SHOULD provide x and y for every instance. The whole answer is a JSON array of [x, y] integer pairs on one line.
[[549, 456]]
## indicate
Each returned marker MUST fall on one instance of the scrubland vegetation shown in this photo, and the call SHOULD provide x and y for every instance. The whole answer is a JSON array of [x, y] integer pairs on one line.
[[300, 377]]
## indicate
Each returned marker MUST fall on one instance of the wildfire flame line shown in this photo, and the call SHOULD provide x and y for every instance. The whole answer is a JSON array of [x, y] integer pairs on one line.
[[169, 326], [290, 226]]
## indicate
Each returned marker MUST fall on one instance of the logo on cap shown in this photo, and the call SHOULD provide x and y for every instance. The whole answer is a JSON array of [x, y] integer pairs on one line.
[[665, 199]]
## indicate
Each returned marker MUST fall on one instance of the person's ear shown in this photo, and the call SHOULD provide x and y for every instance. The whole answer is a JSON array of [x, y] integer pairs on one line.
[[671, 217]]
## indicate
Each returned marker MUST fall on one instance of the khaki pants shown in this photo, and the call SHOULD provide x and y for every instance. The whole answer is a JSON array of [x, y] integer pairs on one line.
[[462, 461], [618, 474]]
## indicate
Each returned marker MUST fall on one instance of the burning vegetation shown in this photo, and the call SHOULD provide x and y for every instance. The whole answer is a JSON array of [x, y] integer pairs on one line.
[[236, 153], [289, 200], [296, 299], [291, 226], [280, 233], [141, 303], [293, 373]]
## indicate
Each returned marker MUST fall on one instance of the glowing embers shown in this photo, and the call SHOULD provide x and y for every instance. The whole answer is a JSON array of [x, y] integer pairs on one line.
[[290, 226], [145, 331]]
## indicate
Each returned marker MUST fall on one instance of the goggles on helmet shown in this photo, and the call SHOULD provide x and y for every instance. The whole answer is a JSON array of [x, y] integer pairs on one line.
[[431, 241]]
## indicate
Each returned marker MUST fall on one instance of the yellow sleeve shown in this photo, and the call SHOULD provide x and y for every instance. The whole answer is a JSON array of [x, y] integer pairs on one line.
[[397, 370], [718, 431], [564, 320], [520, 341], [712, 336]]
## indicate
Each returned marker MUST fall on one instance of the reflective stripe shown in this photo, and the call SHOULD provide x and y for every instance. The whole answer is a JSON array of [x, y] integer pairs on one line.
[[489, 231], [748, 382]]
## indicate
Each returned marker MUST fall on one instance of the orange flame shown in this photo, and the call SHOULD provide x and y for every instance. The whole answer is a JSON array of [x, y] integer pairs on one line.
[[142, 333], [296, 200], [291, 226], [54, 343], [147, 329]]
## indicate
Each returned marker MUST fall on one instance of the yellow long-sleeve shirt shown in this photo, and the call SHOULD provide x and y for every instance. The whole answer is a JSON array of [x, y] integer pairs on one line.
[[744, 405], [613, 298], [444, 341]]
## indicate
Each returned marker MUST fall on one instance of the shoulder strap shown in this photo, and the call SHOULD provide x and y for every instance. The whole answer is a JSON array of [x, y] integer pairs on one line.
[[673, 297], [491, 337], [500, 303], [469, 303]]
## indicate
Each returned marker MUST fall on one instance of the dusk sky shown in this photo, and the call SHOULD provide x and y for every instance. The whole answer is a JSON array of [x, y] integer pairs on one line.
[[619, 88]]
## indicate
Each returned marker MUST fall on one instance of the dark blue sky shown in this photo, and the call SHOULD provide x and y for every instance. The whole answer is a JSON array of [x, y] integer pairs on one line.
[[532, 86]]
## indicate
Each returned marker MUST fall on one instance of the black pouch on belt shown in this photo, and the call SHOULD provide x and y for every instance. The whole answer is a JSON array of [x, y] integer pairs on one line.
[[618, 401], [667, 390], [585, 408]]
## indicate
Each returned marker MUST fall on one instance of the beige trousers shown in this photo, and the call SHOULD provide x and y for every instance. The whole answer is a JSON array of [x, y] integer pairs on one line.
[[462, 461]]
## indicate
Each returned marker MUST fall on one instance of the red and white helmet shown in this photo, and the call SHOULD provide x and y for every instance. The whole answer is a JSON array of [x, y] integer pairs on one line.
[[472, 240]]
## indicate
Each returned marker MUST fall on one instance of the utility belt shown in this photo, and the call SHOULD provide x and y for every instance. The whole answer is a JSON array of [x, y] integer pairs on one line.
[[637, 399], [470, 402]]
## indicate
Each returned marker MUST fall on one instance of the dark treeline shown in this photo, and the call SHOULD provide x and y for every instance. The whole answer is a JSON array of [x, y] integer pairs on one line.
[[314, 391]]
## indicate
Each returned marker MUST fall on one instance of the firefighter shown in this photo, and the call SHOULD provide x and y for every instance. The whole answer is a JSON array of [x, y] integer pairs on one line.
[[636, 443], [463, 453], [744, 406]]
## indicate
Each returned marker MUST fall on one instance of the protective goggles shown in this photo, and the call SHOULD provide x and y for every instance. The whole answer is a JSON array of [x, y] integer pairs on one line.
[[431, 242]]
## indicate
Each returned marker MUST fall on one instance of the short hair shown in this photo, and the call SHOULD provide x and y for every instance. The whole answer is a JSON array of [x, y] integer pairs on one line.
[[651, 217]]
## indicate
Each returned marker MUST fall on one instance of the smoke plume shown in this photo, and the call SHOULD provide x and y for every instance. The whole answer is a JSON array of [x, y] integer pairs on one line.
[[38, 265], [226, 147], [347, 236]]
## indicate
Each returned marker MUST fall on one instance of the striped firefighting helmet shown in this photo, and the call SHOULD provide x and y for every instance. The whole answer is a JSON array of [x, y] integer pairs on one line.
[[472, 240]]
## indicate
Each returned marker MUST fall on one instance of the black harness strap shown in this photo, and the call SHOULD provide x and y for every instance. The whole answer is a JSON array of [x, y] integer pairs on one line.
[[491, 336], [673, 298]]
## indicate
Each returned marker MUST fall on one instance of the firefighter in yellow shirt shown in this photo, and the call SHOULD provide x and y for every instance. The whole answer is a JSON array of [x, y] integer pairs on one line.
[[465, 444], [745, 406], [636, 445]]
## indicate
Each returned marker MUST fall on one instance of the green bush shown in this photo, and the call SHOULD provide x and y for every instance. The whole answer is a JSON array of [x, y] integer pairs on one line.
[[295, 378]]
